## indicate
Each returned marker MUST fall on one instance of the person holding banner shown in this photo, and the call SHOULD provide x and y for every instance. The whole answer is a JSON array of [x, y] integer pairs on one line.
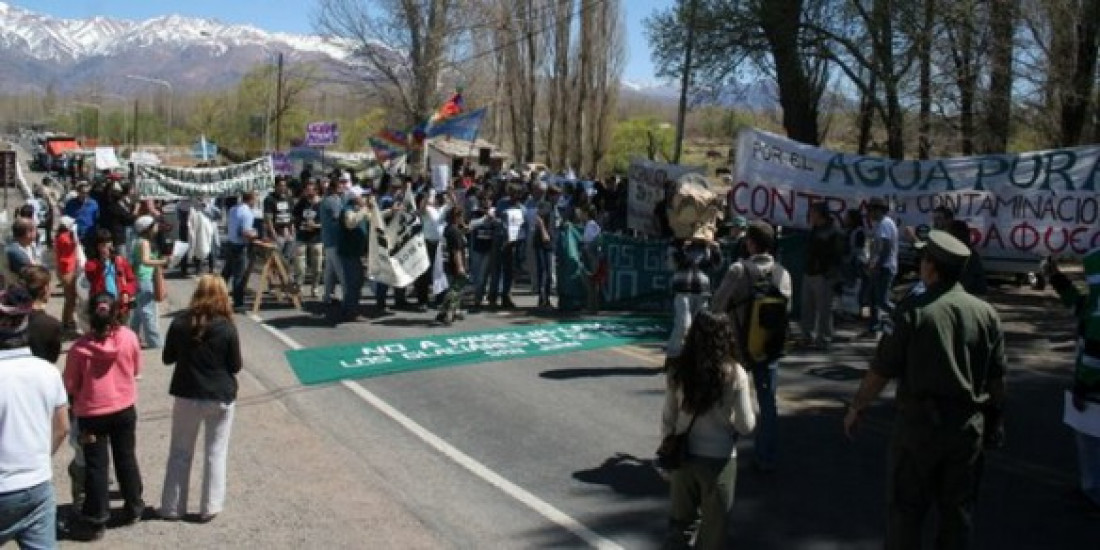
[[883, 265], [691, 260], [352, 246], [433, 218]]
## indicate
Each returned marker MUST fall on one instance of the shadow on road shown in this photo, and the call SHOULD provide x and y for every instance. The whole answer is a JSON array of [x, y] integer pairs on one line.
[[600, 372], [627, 475]]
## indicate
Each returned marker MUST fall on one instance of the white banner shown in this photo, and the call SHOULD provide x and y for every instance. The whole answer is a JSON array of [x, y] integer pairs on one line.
[[441, 177], [396, 253], [168, 182], [1041, 202], [646, 185], [105, 159]]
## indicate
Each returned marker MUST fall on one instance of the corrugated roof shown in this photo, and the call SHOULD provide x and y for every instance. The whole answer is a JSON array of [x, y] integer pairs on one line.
[[465, 149]]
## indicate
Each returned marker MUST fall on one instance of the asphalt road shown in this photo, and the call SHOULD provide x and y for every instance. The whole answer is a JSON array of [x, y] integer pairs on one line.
[[570, 437]]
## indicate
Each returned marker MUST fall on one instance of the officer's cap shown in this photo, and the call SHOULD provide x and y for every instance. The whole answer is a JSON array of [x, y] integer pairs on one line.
[[944, 247]]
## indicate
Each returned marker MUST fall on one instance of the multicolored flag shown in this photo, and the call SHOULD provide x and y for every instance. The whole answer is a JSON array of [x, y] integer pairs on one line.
[[451, 108], [395, 138], [464, 126], [383, 151]]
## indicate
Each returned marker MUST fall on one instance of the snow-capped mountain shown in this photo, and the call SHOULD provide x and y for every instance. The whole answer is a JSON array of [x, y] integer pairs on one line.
[[38, 51], [756, 95]]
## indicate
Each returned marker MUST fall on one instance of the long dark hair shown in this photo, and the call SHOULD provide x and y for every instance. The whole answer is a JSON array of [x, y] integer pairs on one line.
[[103, 315], [703, 369]]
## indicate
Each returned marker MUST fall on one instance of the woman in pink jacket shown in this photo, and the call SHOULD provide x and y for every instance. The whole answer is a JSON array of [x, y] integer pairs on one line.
[[100, 376]]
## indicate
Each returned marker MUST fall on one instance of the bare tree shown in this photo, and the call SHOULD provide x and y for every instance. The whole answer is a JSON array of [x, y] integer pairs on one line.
[[398, 48], [607, 72], [556, 140]]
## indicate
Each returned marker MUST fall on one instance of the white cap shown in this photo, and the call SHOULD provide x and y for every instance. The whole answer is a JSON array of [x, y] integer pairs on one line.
[[143, 223], [344, 176], [68, 223]]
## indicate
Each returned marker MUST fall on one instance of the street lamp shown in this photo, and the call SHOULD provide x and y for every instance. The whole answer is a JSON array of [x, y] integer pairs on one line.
[[166, 84]]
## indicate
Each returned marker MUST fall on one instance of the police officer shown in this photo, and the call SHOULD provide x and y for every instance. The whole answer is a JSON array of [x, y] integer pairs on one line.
[[946, 348]]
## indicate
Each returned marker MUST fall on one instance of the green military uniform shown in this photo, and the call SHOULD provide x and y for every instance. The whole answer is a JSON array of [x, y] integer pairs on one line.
[[944, 347]]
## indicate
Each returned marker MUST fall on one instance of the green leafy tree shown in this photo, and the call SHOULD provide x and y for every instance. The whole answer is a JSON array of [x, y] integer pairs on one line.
[[640, 137]]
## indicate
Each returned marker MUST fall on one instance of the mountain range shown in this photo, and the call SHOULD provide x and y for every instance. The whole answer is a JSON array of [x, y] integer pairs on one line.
[[39, 52]]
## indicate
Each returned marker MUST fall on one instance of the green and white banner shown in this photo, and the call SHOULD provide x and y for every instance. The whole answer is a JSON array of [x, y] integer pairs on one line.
[[321, 365], [1042, 202], [169, 182]]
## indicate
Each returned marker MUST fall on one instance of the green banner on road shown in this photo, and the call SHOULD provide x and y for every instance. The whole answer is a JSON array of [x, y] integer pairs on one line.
[[367, 360]]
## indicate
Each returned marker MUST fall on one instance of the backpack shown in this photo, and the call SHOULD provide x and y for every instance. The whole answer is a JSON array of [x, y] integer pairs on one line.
[[762, 333]]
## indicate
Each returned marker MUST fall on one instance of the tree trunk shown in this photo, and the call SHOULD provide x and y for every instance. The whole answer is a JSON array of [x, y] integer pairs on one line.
[[780, 21], [882, 34], [924, 60], [1077, 103], [867, 114], [584, 74], [559, 116], [1002, 27], [532, 83]]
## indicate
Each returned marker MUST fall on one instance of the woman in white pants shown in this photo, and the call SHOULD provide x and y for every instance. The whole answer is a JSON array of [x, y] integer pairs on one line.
[[203, 344]]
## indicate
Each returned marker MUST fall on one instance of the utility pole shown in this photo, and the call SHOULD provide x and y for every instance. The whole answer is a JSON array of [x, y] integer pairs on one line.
[[685, 78], [279, 105], [132, 151]]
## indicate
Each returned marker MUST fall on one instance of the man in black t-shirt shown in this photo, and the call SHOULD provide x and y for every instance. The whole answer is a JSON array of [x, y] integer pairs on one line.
[[279, 219], [487, 236], [308, 250]]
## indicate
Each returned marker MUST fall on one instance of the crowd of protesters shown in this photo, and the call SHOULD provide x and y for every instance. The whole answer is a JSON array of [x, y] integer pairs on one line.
[[483, 235], [493, 230]]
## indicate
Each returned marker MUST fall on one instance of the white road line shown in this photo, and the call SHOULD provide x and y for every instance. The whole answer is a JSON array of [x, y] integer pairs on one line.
[[528, 499]]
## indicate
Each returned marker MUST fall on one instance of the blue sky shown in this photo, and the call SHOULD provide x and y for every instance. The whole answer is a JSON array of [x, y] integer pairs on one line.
[[294, 16]]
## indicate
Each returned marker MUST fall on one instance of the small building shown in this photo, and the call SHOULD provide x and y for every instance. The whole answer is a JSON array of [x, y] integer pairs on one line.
[[460, 154]]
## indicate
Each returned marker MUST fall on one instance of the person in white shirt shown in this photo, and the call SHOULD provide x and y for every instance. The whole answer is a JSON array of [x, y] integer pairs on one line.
[[34, 421], [434, 220], [883, 266]]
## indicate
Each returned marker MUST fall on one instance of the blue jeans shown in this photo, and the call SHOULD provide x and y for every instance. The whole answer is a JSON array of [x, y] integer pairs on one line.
[[144, 320], [767, 424], [29, 517], [1088, 460], [544, 262], [333, 273], [236, 263], [353, 284], [504, 274], [881, 282]]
